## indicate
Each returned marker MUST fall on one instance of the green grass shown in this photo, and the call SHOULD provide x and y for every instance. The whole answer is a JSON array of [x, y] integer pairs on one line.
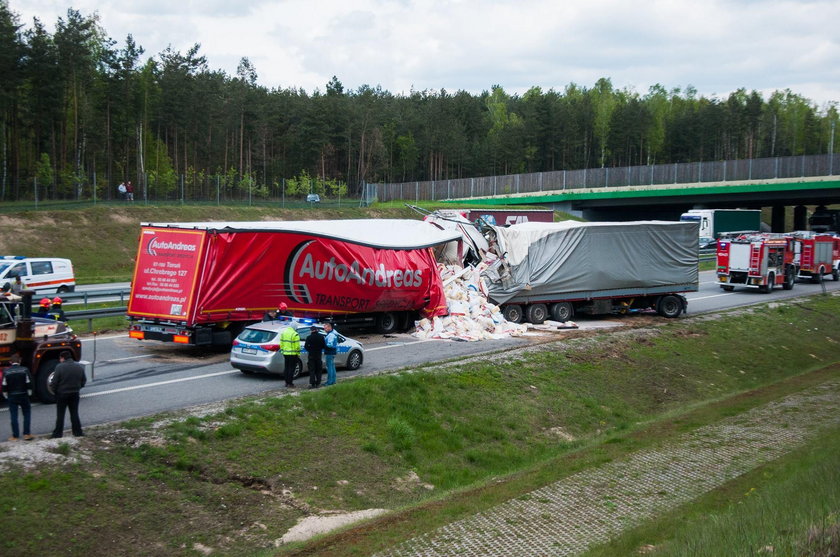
[[436, 444], [788, 507]]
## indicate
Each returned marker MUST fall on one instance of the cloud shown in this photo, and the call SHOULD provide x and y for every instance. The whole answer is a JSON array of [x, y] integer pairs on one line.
[[716, 45]]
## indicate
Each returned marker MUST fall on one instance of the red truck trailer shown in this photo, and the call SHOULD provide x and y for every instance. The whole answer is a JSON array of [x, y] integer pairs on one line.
[[202, 283], [755, 259]]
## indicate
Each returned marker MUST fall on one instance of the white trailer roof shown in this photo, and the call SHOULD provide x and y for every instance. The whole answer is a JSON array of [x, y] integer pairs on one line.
[[377, 233]]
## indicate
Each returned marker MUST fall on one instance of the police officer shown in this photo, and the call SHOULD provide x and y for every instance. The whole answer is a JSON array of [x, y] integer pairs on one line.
[[290, 346]]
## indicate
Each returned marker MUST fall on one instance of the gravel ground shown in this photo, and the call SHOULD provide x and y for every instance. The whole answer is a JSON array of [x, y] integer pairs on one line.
[[569, 516]]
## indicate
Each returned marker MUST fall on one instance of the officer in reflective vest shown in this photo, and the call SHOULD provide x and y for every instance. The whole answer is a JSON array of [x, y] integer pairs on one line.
[[290, 346]]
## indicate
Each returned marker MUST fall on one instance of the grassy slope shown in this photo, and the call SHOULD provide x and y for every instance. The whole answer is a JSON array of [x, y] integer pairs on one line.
[[474, 434]]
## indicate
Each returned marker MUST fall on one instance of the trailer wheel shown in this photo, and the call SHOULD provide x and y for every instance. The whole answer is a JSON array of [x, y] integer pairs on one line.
[[562, 311], [386, 323], [790, 279], [42, 384], [727, 287], [512, 313], [669, 306], [537, 313]]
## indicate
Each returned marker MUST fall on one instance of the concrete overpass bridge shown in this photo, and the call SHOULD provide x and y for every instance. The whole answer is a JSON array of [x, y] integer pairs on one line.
[[788, 186]]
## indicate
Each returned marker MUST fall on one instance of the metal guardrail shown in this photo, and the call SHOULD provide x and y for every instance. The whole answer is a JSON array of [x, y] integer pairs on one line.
[[91, 295]]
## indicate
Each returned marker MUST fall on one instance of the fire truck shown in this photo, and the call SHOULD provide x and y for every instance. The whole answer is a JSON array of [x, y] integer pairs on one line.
[[816, 255], [38, 341], [758, 260]]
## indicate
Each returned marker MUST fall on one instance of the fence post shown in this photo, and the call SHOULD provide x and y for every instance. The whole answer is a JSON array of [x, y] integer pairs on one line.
[[494, 185], [472, 186], [564, 179], [606, 176], [776, 171], [541, 180], [750, 171], [724, 171]]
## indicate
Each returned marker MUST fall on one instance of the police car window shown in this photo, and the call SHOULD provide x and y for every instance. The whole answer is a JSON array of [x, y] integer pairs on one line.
[[303, 332], [41, 267], [256, 336], [18, 270]]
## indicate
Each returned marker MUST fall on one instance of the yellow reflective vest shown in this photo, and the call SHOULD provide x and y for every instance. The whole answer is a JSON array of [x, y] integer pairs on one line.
[[290, 342]]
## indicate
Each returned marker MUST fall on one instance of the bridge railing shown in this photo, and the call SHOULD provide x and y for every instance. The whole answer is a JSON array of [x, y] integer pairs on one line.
[[649, 175]]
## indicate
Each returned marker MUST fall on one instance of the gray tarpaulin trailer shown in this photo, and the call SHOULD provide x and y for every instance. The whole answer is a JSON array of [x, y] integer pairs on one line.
[[555, 270]]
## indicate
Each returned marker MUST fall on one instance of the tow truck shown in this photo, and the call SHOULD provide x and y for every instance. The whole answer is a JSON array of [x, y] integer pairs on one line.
[[39, 341]]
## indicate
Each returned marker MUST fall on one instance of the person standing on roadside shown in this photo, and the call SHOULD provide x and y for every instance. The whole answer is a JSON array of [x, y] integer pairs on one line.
[[330, 349], [290, 346], [66, 382], [129, 191], [314, 348], [270, 315], [17, 384]]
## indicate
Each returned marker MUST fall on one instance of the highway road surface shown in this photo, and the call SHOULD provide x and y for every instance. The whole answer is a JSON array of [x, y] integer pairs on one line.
[[133, 378]]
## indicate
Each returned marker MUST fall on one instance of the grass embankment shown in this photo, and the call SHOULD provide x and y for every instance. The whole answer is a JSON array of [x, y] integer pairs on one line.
[[438, 443]]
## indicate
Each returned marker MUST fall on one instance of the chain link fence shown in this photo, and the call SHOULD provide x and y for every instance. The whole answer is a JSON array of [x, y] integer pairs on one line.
[[650, 175]]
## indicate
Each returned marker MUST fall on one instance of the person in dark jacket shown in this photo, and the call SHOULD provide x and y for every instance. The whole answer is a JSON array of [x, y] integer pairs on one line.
[[270, 315], [56, 312], [17, 384], [314, 348], [43, 308], [66, 382]]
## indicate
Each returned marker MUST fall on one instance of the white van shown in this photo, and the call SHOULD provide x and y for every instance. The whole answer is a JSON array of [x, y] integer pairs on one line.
[[44, 275]]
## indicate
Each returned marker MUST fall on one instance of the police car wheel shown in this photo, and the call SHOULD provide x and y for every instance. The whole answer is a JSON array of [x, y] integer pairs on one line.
[[298, 369], [354, 360]]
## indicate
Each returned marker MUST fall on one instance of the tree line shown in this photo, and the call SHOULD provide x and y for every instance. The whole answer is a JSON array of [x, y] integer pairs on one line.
[[77, 107]]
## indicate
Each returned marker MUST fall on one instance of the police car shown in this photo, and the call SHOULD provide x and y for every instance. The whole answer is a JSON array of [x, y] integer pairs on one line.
[[257, 348]]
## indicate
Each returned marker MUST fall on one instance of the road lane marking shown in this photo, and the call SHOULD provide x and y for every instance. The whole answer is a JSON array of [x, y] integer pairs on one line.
[[400, 344], [159, 383], [712, 296], [104, 338], [124, 359]]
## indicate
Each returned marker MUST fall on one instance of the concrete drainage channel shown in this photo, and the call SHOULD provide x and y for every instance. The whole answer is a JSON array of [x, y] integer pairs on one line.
[[567, 517]]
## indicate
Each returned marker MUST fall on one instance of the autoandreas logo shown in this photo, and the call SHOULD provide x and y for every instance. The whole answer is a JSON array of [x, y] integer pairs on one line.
[[303, 266], [156, 244]]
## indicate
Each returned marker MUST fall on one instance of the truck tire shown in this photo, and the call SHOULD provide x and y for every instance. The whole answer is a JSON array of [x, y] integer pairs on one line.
[[42, 382], [765, 288], [386, 323], [790, 279], [354, 360], [562, 311], [537, 313], [512, 313], [835, 273], [669, 306]]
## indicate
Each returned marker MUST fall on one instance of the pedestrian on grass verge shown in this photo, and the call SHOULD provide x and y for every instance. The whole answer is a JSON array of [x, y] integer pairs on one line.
[[290, 346], [331, 347], [17, 384], [314, 348], [66, 382]]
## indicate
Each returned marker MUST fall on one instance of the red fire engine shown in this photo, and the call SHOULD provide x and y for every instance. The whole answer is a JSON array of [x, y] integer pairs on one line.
[[757, 260], [815, 255]]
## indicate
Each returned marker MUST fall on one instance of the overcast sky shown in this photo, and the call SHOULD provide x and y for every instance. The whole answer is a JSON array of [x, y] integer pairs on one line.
[[715, 45]]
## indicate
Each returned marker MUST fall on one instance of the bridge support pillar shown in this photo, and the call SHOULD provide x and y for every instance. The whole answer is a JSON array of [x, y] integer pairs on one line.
[[800, 217], [777, 219]]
